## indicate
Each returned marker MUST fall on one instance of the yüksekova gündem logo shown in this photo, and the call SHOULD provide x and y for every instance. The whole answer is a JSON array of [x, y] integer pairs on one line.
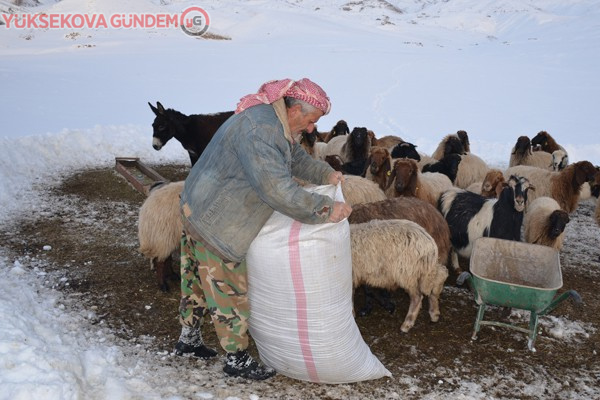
[[193, 21]]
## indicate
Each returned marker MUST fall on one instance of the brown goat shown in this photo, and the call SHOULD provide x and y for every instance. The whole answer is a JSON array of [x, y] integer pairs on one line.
[[563, 186], [335, 161], [379, 166], [546, 142], [406, 180], [489, 187]]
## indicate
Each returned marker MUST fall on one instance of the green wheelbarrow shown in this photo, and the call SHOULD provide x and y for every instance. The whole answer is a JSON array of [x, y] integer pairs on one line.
[[516, 275]]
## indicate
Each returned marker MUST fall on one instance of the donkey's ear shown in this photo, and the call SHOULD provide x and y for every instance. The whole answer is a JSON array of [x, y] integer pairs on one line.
[[154, 109], [161, 109]]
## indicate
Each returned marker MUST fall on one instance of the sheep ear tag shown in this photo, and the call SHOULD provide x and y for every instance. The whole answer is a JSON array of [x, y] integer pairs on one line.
[[389, 173]]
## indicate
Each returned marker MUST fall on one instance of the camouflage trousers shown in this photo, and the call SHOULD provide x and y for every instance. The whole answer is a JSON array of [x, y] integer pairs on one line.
[[209, 285]]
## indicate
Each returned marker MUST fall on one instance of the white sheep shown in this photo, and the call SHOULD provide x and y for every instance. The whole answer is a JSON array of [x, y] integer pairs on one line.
[[470, 170], [436, 183], [412, 209], [521, 154], [545, 223], [585, 192], [563, 186], [357, 189], [560, 160], [160, 227], [475, 187], [334, 146], [392, 254], [425, 159], [388, 142], [455, 143], [319, 150]]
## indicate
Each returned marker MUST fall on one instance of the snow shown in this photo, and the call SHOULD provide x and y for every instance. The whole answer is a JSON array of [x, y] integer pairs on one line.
[[77, 98]]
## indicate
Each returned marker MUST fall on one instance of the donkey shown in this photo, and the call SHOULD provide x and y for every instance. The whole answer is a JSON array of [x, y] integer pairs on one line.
[[194, 131]]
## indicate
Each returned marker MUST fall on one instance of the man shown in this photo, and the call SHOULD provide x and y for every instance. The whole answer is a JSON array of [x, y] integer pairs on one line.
[[245, 174]]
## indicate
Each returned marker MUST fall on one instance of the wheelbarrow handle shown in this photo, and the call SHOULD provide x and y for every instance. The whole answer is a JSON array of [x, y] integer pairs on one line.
[[464, 276], [576, 297], [570, 293]]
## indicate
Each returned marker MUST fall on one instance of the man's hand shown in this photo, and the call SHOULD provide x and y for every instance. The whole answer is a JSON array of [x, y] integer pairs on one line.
[[335, 177], [340, 211]]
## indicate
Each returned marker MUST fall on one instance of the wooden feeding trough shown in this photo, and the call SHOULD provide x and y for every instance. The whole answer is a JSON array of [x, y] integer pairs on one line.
[[141, 176]]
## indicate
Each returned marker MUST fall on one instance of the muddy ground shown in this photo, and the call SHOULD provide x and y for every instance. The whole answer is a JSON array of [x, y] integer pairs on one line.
[[90, 223]]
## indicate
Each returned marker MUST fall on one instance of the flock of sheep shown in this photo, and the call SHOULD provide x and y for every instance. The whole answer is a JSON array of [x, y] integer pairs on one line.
[[415, 214]]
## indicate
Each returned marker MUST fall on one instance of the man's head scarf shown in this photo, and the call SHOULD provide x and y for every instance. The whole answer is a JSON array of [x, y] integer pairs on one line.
[[271, 91]]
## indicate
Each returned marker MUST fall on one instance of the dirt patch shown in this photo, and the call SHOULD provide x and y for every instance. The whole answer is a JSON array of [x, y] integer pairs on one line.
[[92, 230]]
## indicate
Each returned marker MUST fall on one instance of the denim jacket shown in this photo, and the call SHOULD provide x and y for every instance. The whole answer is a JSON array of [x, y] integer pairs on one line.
[[243, 175]]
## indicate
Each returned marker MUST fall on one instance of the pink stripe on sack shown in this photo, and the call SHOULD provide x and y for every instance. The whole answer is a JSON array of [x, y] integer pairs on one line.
[[301, 314]]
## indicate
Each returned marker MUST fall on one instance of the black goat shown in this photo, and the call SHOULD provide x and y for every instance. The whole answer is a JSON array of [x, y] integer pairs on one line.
[[450, 144], [357, 147], [406, 150], [194, 132], [355, 167], [448, 166], [471, 216]]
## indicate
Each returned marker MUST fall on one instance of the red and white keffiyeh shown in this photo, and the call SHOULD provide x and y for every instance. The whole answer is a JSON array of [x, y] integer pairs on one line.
[[271, 91]]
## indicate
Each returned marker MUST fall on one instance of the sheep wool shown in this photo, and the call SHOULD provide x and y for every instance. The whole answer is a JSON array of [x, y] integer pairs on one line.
[[545, 223], [392, 254], [522, 154], [160, 227], [470, 170], [357, 189], [436, 184], [475, 187], [412, 209], [334, 146]]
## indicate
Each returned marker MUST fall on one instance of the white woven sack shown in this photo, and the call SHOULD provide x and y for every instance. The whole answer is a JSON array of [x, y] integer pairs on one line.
[[300, 291]]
